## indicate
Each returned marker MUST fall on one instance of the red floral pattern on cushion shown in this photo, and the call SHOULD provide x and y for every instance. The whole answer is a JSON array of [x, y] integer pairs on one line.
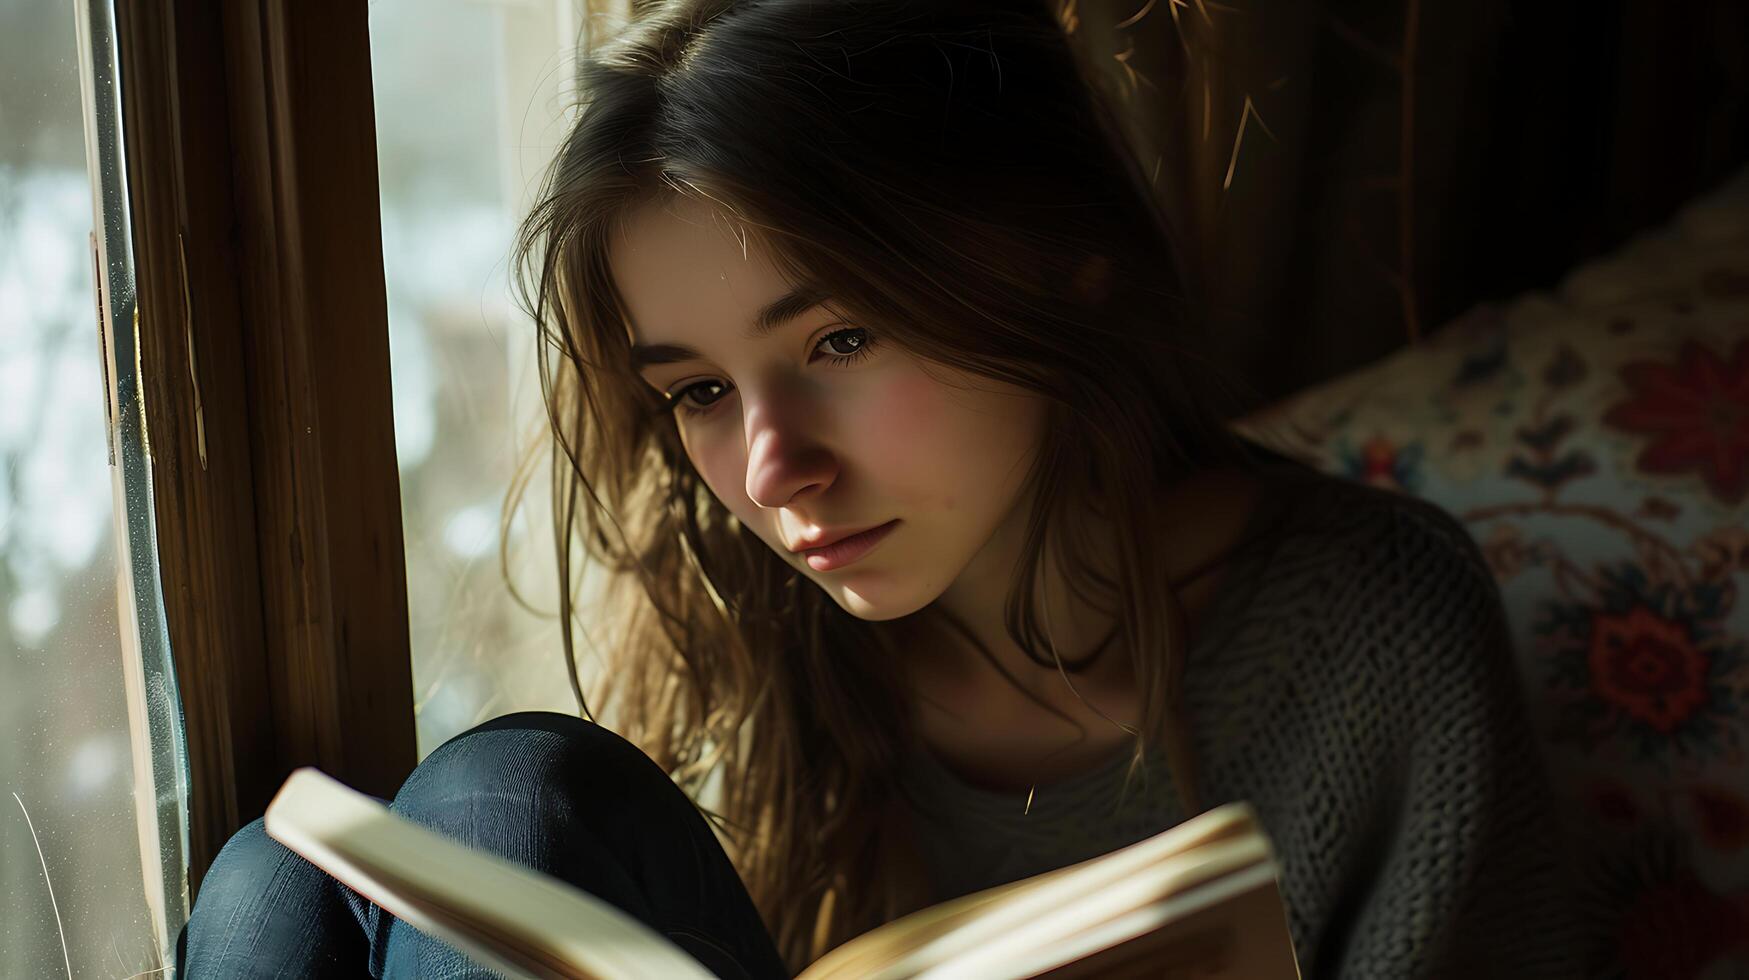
[[1723, 817], [1639, 661], [1614, 802], [1697, 412], [1595, 441], [1645, 665]]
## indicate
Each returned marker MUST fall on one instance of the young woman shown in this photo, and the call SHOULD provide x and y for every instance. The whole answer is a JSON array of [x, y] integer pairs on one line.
[[868, 376]]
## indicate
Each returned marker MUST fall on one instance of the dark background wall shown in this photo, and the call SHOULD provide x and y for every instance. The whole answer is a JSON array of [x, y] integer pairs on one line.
[[1402, 160]]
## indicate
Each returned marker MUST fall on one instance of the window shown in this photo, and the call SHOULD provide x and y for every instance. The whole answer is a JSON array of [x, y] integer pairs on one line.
[[93, 875], [466, 397]]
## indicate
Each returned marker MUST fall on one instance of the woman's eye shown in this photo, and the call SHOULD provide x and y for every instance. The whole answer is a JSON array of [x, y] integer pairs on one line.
[[701, 395], [840, 347], [845, 343]]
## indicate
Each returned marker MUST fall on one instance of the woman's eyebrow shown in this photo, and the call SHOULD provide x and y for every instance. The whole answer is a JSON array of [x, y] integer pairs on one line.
[[771, 316]]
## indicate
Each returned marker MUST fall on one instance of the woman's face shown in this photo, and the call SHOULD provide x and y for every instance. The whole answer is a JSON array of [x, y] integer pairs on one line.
[[809, 426]]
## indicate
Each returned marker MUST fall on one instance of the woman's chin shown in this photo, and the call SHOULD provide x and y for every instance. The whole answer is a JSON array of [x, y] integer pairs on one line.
[[879, 601]]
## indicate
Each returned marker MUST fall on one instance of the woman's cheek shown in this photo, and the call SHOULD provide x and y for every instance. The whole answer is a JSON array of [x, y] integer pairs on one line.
[[722, 463], [906, 437]]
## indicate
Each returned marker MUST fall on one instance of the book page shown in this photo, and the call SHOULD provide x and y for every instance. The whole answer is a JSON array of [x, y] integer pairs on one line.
[[1059, 903], [1029, 923], [1236, 931]]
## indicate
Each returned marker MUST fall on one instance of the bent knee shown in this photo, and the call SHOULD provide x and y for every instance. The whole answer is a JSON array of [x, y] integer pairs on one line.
[[518, 754], [260, 904], [253, 868], [246, 862]]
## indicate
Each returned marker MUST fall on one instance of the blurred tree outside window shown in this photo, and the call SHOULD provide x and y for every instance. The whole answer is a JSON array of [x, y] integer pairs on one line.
[[472, 100]]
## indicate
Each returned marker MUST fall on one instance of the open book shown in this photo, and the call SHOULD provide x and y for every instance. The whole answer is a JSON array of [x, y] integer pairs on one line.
[[1196, 901]]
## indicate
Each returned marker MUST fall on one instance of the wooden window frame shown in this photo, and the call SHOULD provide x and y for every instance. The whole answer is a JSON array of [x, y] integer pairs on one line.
[[264, 350]]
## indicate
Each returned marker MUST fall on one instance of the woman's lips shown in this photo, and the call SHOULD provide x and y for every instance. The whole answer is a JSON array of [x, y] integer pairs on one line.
[[846, 550]]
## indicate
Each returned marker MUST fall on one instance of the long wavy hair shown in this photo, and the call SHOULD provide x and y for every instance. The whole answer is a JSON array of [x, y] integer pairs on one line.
[[948, 174]]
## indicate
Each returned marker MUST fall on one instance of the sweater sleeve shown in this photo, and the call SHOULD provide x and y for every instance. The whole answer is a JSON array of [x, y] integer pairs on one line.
[[1468, 879]]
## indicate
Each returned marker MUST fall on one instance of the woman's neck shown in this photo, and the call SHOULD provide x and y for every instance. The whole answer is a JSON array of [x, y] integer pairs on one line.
[[960, 688]]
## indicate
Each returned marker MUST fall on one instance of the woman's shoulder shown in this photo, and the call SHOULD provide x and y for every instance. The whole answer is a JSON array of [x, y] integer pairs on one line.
[[1387, 543], [1367, 564], [1365, 527], [1352, 552], [1366, 603], [1329, 561]]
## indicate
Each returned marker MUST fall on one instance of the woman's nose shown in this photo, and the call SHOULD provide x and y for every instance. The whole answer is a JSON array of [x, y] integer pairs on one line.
[[784, 456]]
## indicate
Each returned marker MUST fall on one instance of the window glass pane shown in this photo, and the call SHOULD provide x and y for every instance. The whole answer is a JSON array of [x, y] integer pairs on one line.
[[88, 884], [466, 397]]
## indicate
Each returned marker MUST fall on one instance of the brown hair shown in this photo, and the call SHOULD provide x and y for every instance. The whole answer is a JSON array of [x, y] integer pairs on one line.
[[944, 171]]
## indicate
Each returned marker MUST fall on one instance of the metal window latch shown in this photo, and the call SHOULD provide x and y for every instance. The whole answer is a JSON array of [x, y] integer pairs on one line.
[[102, 346]]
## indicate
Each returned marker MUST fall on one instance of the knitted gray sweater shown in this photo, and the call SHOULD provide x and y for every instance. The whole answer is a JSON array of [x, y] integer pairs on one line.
[[1353, 680]]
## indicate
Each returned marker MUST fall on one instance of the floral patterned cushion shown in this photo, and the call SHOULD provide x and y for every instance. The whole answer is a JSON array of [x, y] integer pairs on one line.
[[1595, 441]]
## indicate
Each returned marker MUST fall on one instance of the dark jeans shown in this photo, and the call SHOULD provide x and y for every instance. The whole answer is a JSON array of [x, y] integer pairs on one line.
[[546, 790]]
